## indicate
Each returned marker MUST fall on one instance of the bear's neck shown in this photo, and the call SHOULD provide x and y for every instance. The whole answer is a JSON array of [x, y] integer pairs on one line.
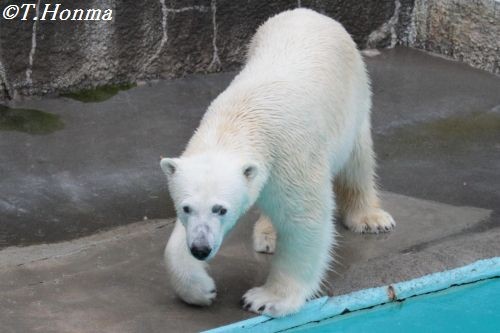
[[226, 138]]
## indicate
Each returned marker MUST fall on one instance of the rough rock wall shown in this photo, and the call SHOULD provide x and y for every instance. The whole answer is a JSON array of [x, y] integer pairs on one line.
[[465, 30], [150, 39]]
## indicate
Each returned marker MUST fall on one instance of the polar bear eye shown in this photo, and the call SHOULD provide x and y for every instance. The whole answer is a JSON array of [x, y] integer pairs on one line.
[[218, 209], [186, 209]]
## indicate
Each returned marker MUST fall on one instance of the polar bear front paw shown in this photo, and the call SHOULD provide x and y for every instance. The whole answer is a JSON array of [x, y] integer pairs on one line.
[[196, 290], [263, 300], [373, 221]]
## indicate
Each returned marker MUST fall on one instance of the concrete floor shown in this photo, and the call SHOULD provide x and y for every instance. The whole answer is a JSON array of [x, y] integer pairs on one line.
[[437, 136]]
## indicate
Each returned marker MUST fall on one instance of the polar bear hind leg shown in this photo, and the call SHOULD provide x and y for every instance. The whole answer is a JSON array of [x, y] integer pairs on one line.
[[264, 235], [356, 190]]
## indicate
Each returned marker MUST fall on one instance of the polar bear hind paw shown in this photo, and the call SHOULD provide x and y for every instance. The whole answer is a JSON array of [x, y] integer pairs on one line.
[[374, 221]]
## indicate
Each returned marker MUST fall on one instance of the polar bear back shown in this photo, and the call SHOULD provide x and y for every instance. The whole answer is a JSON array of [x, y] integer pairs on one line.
[[300, 41], [304, 86]]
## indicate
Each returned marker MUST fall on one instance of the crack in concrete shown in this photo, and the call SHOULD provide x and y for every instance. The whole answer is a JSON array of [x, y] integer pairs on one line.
[[387, 28], [411, 29], [4, 82], [215, 64], [164, 24], [31, 56], [64, 276], [185, 9], [164, 37]]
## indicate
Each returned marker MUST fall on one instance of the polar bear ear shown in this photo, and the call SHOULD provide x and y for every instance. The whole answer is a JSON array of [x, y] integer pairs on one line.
[[169, 165], [250, 171]]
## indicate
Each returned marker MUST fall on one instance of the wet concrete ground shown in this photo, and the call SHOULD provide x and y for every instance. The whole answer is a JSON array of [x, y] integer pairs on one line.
[[437, 136]]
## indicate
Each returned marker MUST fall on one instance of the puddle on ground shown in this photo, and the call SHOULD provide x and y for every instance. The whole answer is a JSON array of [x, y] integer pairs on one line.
[[29, 121], [452, 134], [99, 94]]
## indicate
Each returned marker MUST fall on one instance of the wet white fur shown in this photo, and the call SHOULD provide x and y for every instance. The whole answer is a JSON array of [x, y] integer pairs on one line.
[[299, 115]]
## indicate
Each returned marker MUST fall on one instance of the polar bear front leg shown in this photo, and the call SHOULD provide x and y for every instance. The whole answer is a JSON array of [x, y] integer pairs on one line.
[[188, 276], [301, 259]]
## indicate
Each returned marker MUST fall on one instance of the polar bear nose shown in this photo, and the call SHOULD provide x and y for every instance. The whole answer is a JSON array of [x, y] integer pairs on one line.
[[200, 252]]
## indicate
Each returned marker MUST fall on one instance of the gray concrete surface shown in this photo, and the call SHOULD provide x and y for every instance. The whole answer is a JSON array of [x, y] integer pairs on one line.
[[437, 136], [115, 281], [101, 169]]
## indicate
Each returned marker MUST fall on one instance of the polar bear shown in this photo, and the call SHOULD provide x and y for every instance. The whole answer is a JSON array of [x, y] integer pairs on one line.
[[295, 119]]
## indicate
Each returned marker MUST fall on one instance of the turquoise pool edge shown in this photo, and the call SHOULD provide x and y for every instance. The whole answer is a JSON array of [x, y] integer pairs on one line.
[[328, 307]]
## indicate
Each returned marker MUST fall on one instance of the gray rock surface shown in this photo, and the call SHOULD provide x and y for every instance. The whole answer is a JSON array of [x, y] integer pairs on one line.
[[149, 40], [467, 31]]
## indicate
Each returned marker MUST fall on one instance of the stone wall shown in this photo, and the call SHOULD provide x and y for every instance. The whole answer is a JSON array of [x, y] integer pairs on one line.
[[151, 39], [465, 30]]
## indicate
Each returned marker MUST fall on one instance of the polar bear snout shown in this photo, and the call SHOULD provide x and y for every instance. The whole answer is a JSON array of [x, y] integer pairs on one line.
[[201, 242], [200, 252]]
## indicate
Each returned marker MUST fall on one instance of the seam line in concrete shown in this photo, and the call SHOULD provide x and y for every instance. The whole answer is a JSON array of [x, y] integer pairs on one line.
[[19, 256]]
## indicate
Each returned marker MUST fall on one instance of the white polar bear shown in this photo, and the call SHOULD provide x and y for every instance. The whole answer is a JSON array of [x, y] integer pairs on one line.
[[293, 120]]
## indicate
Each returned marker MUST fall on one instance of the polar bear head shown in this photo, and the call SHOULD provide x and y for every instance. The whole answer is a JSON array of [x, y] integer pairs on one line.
[[210, 192]]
